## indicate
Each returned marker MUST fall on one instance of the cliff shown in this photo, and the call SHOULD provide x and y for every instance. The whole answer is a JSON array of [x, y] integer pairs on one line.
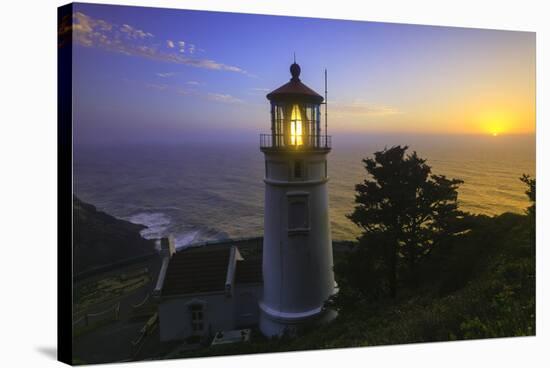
[[101, 239]]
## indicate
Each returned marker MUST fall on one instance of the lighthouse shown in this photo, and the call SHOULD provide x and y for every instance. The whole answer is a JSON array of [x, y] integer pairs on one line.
[[297, 262]]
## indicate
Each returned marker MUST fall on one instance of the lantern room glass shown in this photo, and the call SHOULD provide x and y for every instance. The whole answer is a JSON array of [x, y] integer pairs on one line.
[[296, 133], [295, 125]]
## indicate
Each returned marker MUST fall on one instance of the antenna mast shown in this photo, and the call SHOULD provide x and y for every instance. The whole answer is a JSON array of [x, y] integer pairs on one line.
[[326, 113]]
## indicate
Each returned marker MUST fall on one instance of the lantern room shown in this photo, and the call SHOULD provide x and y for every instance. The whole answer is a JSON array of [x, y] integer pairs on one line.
[[295, 117]]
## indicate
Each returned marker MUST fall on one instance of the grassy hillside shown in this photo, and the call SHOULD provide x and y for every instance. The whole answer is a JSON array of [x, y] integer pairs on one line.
[[481, 286]]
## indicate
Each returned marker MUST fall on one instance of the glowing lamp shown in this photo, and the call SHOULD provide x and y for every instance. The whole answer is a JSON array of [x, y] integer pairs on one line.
[[296, 138], [295, 116]]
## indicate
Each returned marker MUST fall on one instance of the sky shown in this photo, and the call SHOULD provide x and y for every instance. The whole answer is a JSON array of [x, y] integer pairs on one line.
[[165, 75]]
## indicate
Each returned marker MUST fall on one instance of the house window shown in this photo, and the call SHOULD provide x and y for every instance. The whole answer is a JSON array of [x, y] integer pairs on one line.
[[197, 318], [298, 169], [298, 213]]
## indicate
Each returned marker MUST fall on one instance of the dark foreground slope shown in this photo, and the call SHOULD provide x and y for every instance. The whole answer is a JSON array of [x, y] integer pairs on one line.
[[482, 287], [101, 239]]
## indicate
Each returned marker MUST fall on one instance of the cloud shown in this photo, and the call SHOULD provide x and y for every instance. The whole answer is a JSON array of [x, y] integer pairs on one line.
[[225, 98], [182, 91], [135, 33], [192, 83], [359, 107], [181, 46], [186, 47], [157, 87], [165, 75], [131, 41]]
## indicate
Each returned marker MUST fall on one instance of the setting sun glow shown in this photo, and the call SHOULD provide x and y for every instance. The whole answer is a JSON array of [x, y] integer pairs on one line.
[[498, 123], [456, 81]]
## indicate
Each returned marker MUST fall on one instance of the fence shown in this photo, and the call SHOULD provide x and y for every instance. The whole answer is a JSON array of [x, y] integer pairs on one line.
[[87, 319], [301, 142]]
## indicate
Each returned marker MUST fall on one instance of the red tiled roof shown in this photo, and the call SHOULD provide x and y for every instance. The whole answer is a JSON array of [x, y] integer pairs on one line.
[[295, 90], [196, 271], [204, 269], [249, 271]]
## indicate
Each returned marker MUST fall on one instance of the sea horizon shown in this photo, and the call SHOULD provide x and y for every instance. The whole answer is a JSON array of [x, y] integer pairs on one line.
[[211, 188]]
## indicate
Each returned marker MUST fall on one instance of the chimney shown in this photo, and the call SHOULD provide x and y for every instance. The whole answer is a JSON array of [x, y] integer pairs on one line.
[[167, 247]]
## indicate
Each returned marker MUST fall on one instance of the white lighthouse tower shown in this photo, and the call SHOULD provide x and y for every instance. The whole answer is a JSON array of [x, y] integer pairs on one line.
[[297, 250]]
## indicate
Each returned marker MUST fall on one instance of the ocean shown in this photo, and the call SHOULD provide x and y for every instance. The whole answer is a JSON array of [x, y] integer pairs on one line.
[[214, 190]]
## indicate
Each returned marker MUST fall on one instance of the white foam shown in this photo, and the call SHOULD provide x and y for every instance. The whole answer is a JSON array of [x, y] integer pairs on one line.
[[184, 239], [158, 227], [156, 222]]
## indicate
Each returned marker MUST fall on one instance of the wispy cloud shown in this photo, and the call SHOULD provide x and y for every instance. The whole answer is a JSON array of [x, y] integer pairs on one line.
[[359, 107], [260, 89], [165, 75], [183, 92], [192, 83], [157, 87], [186, 47], [179, 90], [225, 98], [129, 40], [135, 33]]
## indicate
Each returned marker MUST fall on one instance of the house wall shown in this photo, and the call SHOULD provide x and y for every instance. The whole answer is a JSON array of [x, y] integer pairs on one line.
[[247, 312], [220, 312]]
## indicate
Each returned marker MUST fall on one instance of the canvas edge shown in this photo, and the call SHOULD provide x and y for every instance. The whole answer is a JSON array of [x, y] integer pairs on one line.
[[64, 190]]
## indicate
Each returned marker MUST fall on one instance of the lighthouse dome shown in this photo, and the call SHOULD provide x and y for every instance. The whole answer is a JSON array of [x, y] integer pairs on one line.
[[295, 90], [295, 71]]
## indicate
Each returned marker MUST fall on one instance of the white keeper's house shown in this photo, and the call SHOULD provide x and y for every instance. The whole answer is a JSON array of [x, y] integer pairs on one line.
[[281, 283]]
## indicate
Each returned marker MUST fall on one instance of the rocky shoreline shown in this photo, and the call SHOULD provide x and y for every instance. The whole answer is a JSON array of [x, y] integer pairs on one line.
[[101, 240]]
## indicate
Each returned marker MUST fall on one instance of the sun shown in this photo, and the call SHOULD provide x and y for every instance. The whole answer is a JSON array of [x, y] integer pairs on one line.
[[494, 123], [495, 127]]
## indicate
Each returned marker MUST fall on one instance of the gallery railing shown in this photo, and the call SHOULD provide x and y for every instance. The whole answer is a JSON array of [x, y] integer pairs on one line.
[[279, 141]]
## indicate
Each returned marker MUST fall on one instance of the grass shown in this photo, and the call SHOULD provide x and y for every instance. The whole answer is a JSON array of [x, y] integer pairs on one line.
[[79, 331], [109, 288]]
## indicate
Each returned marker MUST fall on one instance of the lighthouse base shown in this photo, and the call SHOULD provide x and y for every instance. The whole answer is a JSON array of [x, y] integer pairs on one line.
[[275, 323]]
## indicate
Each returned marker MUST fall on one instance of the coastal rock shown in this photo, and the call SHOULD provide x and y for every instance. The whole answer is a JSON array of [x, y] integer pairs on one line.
[[101, 239]]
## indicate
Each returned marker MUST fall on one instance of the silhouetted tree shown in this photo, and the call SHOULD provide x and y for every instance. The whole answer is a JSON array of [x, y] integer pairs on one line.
[[531, 210], [530, 192], [405, 211]]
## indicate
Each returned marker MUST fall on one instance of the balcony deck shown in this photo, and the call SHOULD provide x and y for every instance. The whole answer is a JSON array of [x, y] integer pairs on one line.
[[273, 143]]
